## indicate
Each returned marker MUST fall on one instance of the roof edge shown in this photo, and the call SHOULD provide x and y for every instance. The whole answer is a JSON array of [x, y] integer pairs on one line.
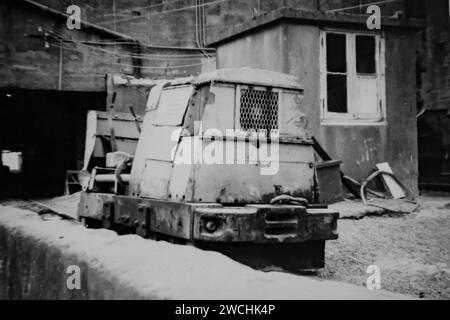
[[250, 76], [320, 18]]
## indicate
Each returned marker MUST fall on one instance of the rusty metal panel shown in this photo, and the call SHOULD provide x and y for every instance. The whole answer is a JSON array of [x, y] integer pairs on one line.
[[219, 110], [163, 141], [329, 183], [159, 137], [124, 125], [171, 218], [264, 224], [125, 129], [289, 152], [172, 105], [155, 171], [181, 182], [92, 205], [236, 224], [155, 179], [132, 212], [323, 222], [140, 154], [250, 179], [245, 184]]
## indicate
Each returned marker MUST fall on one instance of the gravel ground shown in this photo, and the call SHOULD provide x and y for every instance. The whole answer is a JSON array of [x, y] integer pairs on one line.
[[412, 251]]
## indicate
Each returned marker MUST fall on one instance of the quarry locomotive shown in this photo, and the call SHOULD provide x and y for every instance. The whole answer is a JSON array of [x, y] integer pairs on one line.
[[222, 161]]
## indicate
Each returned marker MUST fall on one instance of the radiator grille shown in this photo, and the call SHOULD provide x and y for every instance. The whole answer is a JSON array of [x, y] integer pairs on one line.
[[259, 110]]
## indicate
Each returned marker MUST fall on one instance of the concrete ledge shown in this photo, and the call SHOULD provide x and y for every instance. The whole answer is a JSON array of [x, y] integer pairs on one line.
[[36, 251]]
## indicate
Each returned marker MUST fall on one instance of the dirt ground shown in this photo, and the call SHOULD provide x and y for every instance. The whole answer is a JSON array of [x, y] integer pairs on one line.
[[412, 251]]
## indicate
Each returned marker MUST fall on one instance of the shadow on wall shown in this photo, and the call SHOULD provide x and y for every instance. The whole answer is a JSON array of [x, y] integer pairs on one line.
[[434, 150], [48, 128]]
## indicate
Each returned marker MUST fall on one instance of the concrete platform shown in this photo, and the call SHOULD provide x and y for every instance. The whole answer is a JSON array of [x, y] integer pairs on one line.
[[35, 252]]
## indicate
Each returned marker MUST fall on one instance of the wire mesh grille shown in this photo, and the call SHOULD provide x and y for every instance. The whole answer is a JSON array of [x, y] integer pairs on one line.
[[259, 110]]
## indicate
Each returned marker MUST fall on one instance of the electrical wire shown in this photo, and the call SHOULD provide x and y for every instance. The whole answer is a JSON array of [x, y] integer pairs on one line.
[[197, 32], [145, 8], [160, 13], [61, 37], [361, 5], [109, 42], [142, 56], [210, 28], [62, 46], [134, 43], [142, 42]]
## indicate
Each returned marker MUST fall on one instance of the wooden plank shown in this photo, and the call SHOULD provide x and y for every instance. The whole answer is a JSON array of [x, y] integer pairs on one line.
[[345, 180], [394, 188]]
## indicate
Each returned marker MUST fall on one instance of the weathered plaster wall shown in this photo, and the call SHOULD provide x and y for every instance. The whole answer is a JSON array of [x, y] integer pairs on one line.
[[26, 62], [436, 57], [360, 147], [262, 49], [401, 144], [178, 27], [302, 58], [149, 22]]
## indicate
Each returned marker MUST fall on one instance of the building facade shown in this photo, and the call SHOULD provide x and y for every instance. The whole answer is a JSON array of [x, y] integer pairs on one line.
[[360, 84]]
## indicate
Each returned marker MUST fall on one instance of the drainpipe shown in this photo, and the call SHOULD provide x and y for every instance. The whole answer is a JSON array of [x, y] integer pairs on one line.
[[60, 65], [114, 15], [196, 23], [204, 21], [136, 49], [198, 35]]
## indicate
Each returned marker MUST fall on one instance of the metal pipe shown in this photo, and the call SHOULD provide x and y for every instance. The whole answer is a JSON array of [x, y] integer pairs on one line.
[[106, 31], [112, 178], [197, 28], [60, 66], [204, 22]]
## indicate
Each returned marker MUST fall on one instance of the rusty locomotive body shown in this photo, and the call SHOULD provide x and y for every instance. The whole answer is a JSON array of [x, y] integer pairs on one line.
[[222, 161]]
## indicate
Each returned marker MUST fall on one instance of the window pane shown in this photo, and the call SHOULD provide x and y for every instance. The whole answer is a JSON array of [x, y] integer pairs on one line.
[[365, 54], [337, 93], [336, 52]]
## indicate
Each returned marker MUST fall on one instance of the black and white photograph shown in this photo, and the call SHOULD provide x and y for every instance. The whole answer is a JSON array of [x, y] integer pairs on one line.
[[225, 155]]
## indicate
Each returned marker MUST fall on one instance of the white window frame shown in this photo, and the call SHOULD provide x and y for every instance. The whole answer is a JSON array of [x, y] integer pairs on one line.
[[352, 116]]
